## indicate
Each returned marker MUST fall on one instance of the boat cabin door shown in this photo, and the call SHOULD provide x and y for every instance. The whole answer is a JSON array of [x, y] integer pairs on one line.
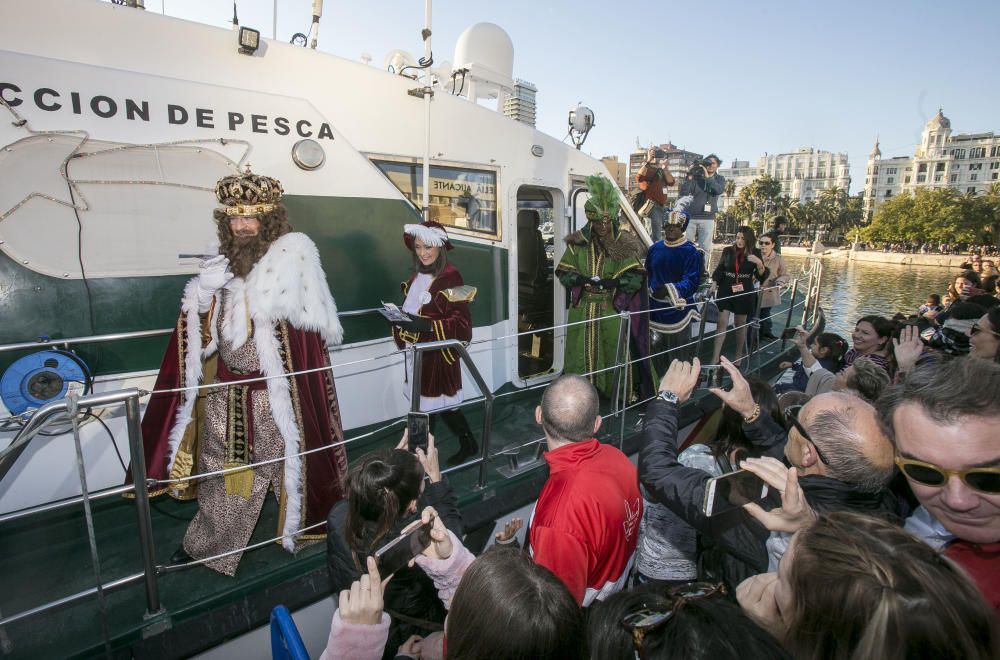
[[537, 229]]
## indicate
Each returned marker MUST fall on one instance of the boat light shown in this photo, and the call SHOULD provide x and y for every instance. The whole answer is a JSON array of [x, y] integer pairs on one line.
[[249, 40], [308, 154], [581, 120]]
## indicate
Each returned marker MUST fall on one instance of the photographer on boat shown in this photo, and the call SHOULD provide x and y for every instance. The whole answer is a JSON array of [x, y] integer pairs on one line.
[[704, 184]]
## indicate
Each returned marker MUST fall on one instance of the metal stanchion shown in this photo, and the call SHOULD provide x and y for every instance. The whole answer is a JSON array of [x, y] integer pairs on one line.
[[95, 558], [153, 607]]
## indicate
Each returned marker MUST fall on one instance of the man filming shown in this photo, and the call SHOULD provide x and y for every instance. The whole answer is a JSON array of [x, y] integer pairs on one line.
[[652, 180], [704, 185]]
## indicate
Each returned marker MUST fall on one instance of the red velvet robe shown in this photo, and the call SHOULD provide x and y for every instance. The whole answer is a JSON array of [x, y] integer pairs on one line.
[[441, 371], [314, 398]]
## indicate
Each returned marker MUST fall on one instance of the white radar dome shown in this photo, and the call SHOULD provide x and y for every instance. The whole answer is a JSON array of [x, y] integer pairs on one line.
[[488, 46]]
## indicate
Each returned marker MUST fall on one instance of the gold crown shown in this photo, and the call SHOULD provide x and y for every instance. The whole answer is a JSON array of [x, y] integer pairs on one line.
[[248, 193]]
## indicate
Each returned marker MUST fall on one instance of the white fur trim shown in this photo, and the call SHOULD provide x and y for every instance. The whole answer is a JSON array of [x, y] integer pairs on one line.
[[433, 236], [234, 320], [192, 368], [279, 395], [682, 203], [289, 284]]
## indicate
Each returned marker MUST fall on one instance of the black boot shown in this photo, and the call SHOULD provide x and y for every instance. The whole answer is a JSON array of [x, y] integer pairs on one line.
[[457, 424], [181, 557]]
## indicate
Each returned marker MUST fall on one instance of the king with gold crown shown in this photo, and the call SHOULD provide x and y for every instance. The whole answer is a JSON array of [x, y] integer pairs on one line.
[[257, 315]]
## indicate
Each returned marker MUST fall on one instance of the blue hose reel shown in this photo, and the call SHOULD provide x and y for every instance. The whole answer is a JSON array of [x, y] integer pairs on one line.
[[42, 377]]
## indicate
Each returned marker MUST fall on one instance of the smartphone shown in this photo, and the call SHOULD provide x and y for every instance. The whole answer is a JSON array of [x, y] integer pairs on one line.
[[398, 552], [732, 490], [708, 375], [417, 429], [788, 333]]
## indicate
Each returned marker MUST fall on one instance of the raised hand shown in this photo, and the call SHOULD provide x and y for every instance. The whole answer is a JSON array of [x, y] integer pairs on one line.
[[362, 603], [429, 460], [739, 397], [681, 378], [794, 512], [509, 530], [908, 348], [440, 547]]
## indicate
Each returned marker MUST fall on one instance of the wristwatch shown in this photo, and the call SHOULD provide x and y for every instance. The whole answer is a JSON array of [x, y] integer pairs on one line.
[[667, 396]]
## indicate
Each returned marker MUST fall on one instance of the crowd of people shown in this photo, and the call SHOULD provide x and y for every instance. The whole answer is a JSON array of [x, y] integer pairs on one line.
[[879, 535], [916, 247]]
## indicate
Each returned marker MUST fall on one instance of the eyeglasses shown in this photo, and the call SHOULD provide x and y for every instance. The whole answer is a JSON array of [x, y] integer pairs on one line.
[[765, 242], [645, 620], [976, 329], [985, 480], [792, 420]]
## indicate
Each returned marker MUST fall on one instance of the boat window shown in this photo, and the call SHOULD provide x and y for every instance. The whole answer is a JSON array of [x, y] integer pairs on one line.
[[460, 197]]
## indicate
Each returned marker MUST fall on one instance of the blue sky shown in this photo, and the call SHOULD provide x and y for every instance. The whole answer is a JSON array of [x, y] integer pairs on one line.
[[739, 78]]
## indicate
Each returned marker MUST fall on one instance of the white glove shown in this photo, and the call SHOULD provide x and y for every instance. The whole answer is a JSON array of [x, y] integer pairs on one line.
[[212, 276]]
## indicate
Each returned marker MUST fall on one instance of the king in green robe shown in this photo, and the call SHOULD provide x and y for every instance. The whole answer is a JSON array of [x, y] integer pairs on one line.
[[601, 269]]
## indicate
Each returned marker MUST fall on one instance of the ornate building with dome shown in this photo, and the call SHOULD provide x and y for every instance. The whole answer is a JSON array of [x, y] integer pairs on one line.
[[967, 162]]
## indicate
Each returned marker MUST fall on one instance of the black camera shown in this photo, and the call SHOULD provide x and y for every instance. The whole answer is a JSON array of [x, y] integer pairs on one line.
[[697, 171]]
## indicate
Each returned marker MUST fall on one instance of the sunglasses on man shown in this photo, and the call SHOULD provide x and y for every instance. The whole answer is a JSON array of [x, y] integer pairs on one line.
[[984, 480], [791, 414]]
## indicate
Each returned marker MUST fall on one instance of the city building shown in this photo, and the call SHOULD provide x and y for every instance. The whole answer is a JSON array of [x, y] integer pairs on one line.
[[617, 169], [741, 174], [805, 173], [520, 105], [967, 162], [675, 160]]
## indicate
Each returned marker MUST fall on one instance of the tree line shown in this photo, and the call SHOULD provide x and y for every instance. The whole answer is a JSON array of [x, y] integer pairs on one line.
[[926, 215]]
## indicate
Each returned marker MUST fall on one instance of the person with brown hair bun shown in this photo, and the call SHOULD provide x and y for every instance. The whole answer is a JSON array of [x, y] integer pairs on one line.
[[851, 586]]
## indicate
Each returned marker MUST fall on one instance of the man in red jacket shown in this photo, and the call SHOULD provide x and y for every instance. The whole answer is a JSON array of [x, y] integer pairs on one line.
[[944, 419], [585, 525]]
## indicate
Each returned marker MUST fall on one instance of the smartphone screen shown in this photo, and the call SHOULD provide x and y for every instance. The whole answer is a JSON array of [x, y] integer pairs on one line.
[[398, 552], [788, 333], [708, 375], [732, 490], [417, 428]]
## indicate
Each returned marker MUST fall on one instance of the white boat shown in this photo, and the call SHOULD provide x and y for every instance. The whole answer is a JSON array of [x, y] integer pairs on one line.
[[117, 122]]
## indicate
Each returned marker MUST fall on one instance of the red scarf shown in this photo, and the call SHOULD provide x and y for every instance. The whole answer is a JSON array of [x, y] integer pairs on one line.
[[739, 257]]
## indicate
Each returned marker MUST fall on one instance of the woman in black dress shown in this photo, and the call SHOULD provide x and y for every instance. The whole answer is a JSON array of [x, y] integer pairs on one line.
[[739, 273]]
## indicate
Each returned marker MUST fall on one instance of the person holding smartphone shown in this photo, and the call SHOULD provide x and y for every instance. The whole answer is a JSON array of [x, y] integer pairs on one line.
[[740, 268], [437, 302], [385, 491]]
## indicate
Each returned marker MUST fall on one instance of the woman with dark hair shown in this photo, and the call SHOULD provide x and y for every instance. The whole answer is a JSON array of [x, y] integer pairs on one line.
[[872, 338], [850, 586], [694, 621], [964, 285], [984, 337], [738, 274], [437, 302], [501, 606], [385, 489], [667, 552]]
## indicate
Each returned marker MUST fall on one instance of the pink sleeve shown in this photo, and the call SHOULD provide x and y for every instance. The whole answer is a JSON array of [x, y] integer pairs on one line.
[[358, 641], [447, 573]]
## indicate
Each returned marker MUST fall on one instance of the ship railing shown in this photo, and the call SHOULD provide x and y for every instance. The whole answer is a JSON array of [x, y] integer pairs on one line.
[[619, 366], [58, 411]]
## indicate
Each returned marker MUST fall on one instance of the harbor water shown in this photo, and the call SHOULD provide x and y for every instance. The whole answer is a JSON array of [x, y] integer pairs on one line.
[[854, 289]]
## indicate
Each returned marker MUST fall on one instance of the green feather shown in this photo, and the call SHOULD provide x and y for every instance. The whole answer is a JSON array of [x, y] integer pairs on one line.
[[603, 195]]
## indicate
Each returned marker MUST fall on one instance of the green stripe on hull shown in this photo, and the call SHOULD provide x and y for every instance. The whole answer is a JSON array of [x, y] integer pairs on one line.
[[360, 244]]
